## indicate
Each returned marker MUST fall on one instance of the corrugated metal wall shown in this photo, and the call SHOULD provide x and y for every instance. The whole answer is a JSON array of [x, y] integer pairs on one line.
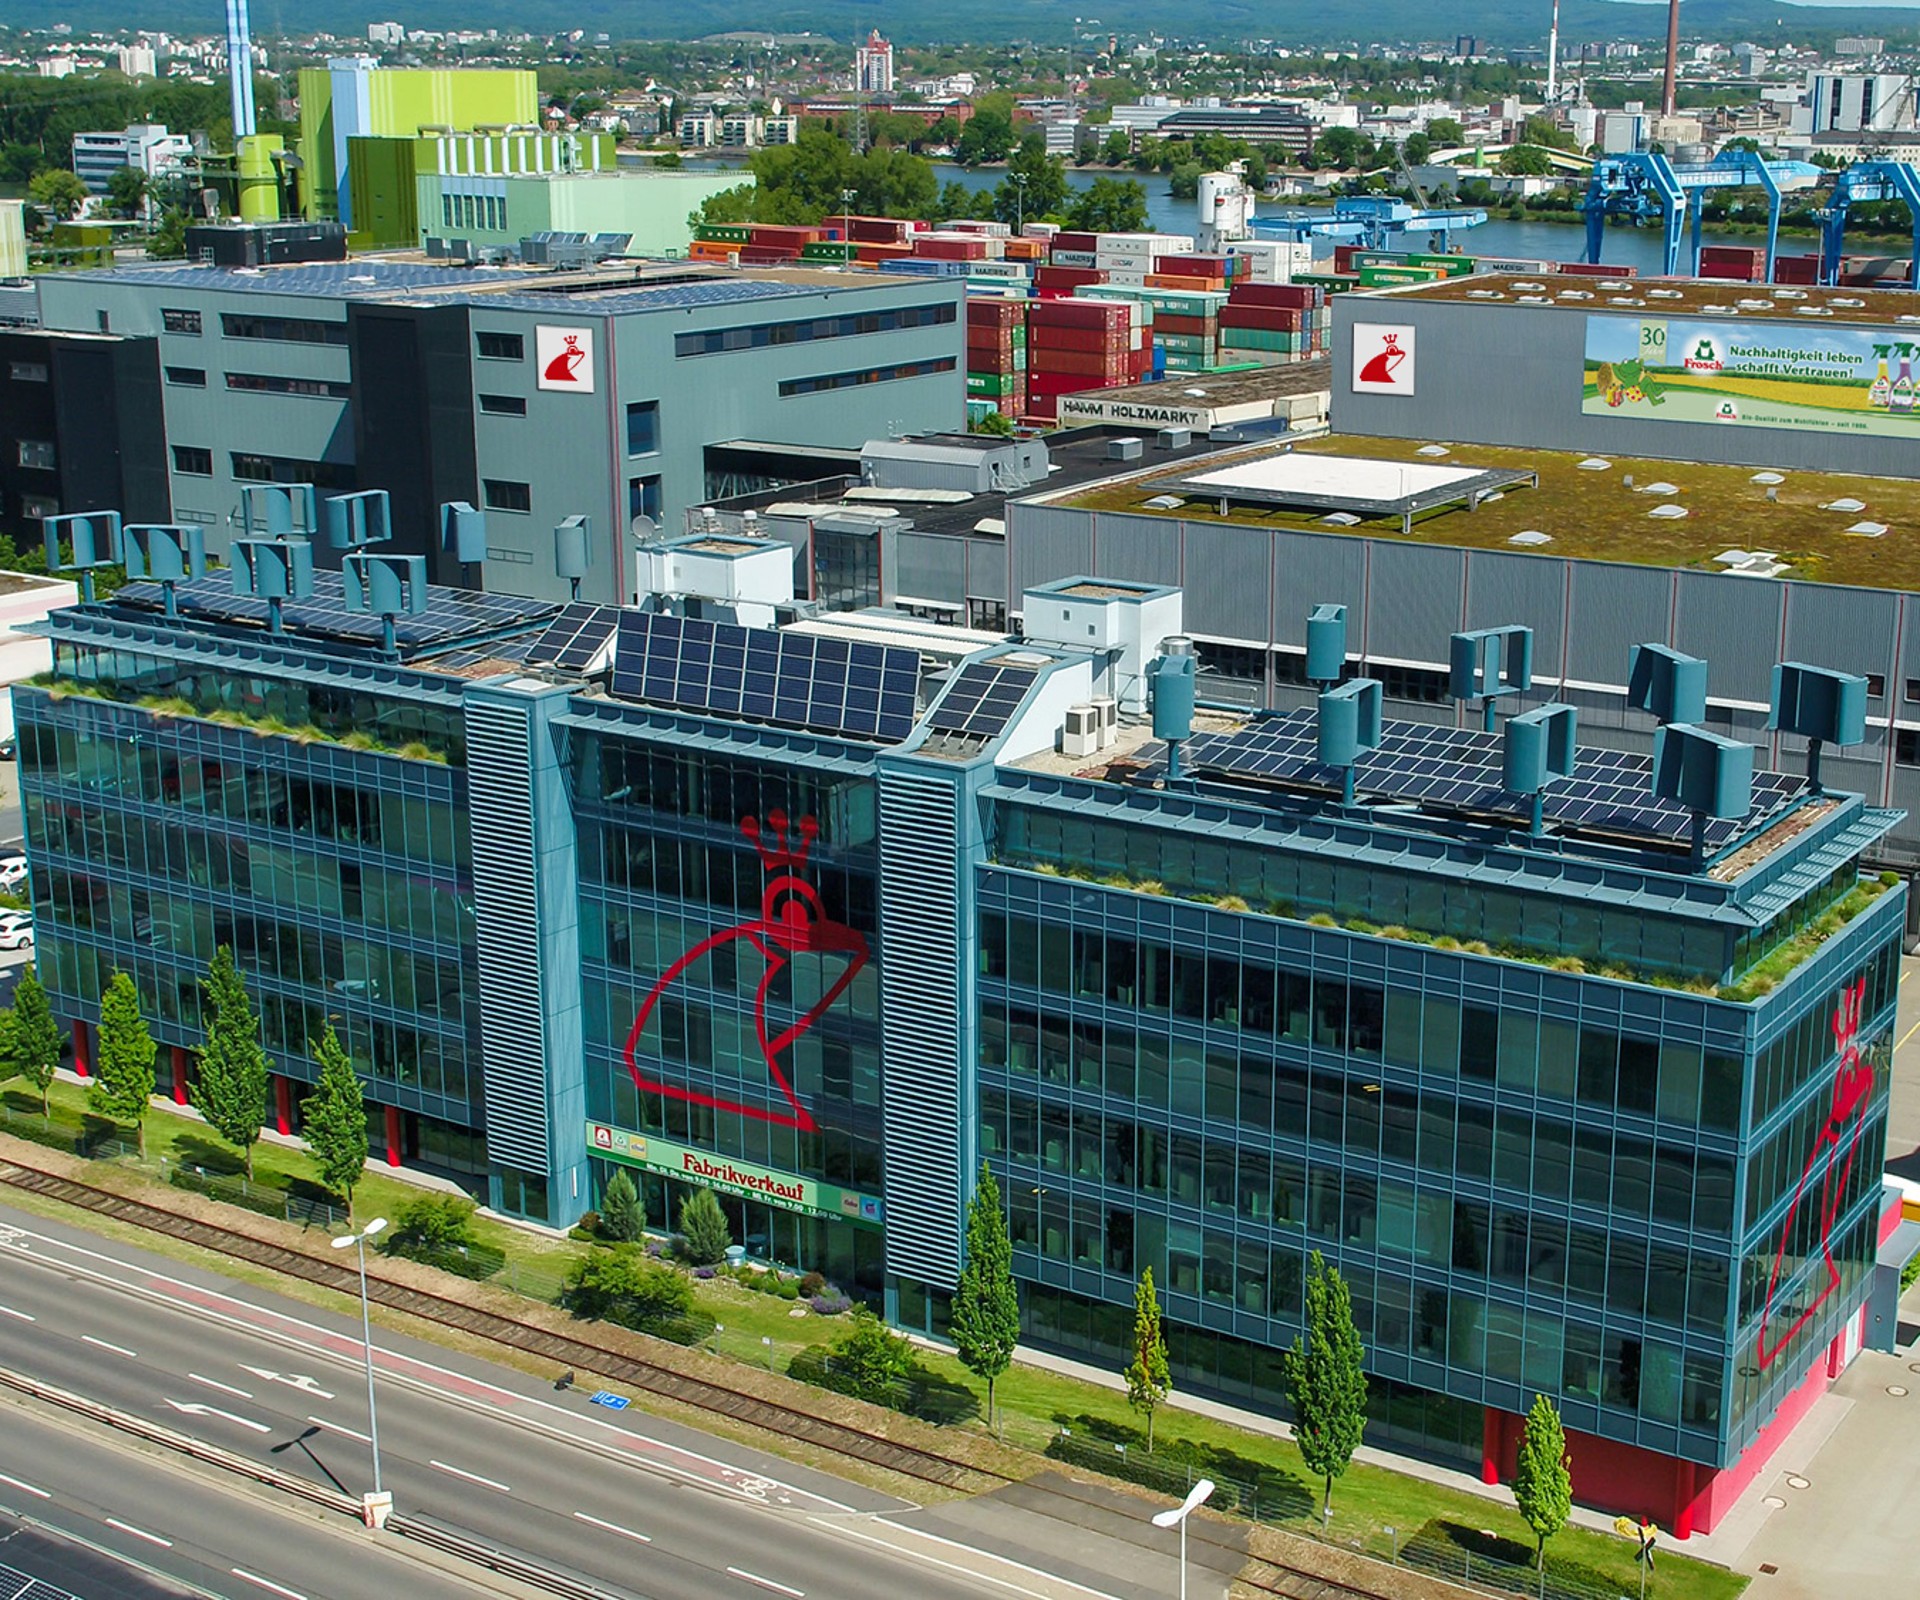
[[921, 1110], [1141, 549], [500, 791], [1414, 603]]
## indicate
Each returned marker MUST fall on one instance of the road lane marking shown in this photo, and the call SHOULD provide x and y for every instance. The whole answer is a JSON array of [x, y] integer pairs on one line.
[[139, 1533], [846, 1530], [471, 1477], [224, 1388], [765, 1583], [614, 1527], [293, 1380], [25, 1488], [8, 1311], [339, 1427], [117, 1349], [267, 1583], [194, 1408], [1905, 1037]]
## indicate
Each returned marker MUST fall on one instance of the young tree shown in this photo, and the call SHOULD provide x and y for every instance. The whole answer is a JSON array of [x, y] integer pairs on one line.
[[986, 1307], [122, 1088], [231, 1088], [872, 1358], [36, 1035], [1542, 1481], [57, 192], [1149, 1382], [620, 1210], [334, 1120], [1324, 1380], [127, 190], [703, 1228]]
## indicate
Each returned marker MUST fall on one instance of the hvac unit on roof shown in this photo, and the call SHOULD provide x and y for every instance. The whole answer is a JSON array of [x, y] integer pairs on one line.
[[1081, 734], [1108, 710]]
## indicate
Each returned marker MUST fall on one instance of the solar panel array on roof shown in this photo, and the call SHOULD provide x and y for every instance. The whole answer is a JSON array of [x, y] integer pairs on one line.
[[865, 691], [982, 699], [452, 615], [18, 1585], [1459, 769], [574, 637], [668, 297], [356, 279]]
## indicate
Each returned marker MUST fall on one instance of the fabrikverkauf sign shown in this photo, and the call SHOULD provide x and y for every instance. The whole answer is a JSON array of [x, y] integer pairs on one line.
[[1759, 374], [750, 1181]]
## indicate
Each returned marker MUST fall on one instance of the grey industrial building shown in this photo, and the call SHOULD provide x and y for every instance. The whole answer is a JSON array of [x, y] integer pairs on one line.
[[535, 395]]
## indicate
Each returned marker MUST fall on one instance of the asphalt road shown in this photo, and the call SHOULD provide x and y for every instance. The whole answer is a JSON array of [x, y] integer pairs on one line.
[[635, 1506], [110, 1523]]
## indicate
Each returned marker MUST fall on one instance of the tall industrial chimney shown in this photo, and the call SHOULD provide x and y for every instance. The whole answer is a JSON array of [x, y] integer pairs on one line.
[[1673, 57], [240, 68], [1553, 57]]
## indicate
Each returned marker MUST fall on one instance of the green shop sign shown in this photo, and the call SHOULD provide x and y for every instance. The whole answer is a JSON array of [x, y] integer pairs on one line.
[[787, 1190]]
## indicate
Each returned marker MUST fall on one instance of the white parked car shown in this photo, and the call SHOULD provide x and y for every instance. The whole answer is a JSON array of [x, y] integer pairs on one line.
[[16, 930], [13, 870]]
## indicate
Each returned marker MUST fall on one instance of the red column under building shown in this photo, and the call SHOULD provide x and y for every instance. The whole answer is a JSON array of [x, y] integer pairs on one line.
[[179, 1075], [282, 1105], [1492, 1443], [82, 1049], [393, 1136]]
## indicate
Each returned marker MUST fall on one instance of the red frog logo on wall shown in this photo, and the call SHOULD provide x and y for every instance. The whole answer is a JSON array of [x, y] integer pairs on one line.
[[563, 368], [1834, 1148], [1379, 368], [792, 921]]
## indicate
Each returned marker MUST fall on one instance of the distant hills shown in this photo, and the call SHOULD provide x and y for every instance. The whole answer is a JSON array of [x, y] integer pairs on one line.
[[1495, 23]]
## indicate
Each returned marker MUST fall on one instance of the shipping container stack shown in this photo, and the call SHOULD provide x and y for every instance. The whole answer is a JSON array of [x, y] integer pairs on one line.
[[1073, 345], [1274, 323], [996, 356], [1796, 269]]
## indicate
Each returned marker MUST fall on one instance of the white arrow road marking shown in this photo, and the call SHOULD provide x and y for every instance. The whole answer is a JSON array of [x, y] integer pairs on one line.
[[194, 1408], [293, 1380]]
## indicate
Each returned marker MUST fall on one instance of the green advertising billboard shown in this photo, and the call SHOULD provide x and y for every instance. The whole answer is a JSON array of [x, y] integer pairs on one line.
[[749, 1180], [1758, 374]]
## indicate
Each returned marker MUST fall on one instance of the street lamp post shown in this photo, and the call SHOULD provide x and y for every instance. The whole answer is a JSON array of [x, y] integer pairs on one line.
[[1176, 1517], [378, 1503], [846, 224], [1020, 203]]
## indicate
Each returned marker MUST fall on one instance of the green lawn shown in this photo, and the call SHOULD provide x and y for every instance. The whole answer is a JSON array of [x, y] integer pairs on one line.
[[1034, 1405]]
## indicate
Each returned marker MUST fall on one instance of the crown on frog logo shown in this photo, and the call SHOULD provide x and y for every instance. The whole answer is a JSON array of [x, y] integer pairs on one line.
[[782, 849]]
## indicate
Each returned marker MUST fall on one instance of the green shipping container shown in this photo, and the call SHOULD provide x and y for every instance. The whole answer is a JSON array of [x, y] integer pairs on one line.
[[722, 233]]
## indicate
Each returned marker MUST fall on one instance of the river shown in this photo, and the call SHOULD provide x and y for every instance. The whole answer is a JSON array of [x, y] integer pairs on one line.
[[1534, 240]]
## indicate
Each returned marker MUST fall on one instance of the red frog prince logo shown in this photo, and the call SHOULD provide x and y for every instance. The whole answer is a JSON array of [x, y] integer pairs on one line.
[[566, 362], [1833, 1152], [793, 921], [1380, 368]]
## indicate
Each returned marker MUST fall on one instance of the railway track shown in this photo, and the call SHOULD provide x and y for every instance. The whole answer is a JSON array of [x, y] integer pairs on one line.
[[771, 1416]]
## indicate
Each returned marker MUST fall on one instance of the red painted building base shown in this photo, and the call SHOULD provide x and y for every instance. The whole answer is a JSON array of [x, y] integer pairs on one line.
[[179, 1076], [82, 1049], [393, 1136], [1680, 1496], [282, 1105]]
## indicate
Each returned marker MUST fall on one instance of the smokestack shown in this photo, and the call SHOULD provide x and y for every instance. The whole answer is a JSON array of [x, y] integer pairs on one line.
[[1553, 55], [1673, 57], [240, 69]]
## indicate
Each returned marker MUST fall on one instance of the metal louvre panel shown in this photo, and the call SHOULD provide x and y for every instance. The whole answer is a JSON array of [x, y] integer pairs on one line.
[[1613, 609], [1735, 624], [1140, 549], [1224, 566], [920, 1004], [1414, 600], [1311, 569], [1847, 629], [1048, 542], [512, 1046], [1527, 590]]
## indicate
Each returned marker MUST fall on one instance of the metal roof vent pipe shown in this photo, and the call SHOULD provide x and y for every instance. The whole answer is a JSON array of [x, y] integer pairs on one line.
[[1171, 675]]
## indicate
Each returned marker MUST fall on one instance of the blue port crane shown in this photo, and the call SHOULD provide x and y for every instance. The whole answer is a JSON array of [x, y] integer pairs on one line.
[[1374, 222], [1862, 183], [1644, 185]]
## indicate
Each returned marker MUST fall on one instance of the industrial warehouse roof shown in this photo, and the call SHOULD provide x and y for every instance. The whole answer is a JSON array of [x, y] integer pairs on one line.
[[1601, 508], [1698, 297], [654, 286]]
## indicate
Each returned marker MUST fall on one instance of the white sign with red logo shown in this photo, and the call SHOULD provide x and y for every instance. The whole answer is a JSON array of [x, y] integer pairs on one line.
[[565, 357], [1382, 358]]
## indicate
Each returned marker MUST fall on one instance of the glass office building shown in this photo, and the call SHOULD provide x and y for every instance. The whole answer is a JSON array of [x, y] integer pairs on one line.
[[820, 918]]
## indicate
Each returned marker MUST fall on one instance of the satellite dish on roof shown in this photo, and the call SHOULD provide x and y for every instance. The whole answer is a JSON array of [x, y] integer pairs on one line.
[[643, 528]]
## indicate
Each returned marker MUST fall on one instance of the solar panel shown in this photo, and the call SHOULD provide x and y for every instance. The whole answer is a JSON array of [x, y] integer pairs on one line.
[[866, 691], [574, 637], [982, 699], [1459, 770], [452, 615]]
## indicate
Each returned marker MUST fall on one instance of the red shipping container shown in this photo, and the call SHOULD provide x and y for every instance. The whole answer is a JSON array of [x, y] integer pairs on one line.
[[1193, 266], [1083, 339], [1089, 363], [1079, 314], [1274, 319], [1044, 383], [766, 256], [1296, 296], [1075, 241], [1178, 280], [1043, 408], [770, 233], [1343, 257], [880, 252], [878, 230], [1796, 269], [1173, 322], [931, 248], [993, 311], [1052, 277], [1595, 269]]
